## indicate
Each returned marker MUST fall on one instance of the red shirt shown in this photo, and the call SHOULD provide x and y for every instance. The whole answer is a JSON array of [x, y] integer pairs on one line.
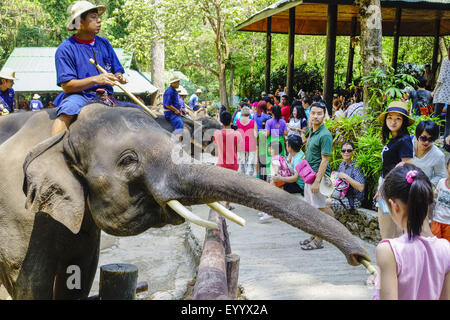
[[286, 113], [227, 141], [247, 134]]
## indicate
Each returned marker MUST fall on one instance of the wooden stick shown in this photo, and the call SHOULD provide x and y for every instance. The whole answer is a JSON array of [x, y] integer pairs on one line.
[[132, 96]]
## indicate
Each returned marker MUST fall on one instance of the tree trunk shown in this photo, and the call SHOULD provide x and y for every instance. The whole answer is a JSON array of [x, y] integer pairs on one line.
[[371, 39], [223, 86], [158, 57], [231, 85]]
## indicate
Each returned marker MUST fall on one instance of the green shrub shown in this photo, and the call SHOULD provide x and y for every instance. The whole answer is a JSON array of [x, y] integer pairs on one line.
[[365, 133]]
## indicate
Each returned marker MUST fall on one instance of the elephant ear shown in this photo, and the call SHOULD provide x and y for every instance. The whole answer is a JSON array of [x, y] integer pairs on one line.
[[50, 186]]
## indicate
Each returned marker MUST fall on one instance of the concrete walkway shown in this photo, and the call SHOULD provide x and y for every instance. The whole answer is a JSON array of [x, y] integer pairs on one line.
[[273, 266]]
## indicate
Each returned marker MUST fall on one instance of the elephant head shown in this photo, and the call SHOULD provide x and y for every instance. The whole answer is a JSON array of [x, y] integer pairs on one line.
[[120, 166]]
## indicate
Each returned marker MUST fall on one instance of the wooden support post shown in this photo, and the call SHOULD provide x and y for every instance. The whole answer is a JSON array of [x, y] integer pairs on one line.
[[268, 53], [397, 22], [211, 281], [290, 70], [351, 54], [118, 282], [232, 264], [140, 287], [434, 64], [330, 56]]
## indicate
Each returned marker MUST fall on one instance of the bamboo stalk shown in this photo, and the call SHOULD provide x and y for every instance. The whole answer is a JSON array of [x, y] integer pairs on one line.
[[132, 96], [368, 266]]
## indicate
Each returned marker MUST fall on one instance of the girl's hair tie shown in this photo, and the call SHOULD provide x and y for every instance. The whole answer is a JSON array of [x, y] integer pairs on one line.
[[410, 176]]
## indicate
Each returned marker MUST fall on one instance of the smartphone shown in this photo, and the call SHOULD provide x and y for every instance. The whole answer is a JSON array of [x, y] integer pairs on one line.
[[383, 206]]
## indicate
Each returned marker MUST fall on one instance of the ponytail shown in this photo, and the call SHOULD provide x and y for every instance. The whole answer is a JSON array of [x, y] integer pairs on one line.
[[419, 198], [410, 185]]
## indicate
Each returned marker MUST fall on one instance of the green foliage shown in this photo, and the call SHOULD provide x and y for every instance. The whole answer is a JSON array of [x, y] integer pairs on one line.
[[365, 133], [385, 87], [306, 77]]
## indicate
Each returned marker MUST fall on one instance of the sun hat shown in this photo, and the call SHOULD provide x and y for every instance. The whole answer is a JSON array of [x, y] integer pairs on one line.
[[326, 186], [36, 96], [8, 73], [399, 107], [198, 91], [173, 80], [183, 92], [78, 8]]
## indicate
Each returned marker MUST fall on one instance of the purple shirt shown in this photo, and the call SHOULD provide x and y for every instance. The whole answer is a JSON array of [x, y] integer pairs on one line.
[[276, 128], [422, 264]]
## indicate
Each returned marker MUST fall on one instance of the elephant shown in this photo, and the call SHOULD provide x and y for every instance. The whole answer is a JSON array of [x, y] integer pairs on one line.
[[201, 133], [113, 170]]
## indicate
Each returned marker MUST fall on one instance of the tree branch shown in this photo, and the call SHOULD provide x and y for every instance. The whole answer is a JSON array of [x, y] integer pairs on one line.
[[191, 63]]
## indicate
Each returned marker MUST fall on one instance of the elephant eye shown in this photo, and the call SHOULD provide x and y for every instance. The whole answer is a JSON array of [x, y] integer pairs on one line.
[[128, 160]]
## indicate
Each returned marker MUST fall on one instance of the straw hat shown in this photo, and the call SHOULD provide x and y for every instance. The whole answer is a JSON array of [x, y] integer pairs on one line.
[[8, 73], [78, 8], [398, 107], [326, 186], [173, 80], [36, 96]]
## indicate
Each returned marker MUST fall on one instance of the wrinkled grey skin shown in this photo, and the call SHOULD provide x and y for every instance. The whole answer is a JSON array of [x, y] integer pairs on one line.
[[201, 132], [112, 171]]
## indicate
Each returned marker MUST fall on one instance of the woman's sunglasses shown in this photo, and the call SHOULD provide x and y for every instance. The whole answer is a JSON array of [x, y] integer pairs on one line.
[[425, 139], [347, 150]]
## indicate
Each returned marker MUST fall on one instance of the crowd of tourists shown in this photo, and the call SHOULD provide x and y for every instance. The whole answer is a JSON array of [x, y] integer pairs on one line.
[[287, 144]]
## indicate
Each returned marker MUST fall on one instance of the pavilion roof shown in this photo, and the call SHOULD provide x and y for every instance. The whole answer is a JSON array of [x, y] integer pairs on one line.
[[36, 71], [418, 17]]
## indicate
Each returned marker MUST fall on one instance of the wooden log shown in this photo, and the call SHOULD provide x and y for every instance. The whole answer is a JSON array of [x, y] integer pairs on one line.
[[434, 63], [330, 59], [141, 287], [118, 282], [290, 70], [232, 262], [351, 54], [268, 53], [398, 18], [211, 281]]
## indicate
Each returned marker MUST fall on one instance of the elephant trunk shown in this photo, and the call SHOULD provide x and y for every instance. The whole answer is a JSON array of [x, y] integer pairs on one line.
[[200, 184]]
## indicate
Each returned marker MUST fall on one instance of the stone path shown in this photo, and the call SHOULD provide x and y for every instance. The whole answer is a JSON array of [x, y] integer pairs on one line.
[[273, 266]]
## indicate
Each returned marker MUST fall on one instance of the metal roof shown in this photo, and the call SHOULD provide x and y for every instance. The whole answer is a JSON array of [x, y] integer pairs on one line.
[[36, 72], [418, 17]]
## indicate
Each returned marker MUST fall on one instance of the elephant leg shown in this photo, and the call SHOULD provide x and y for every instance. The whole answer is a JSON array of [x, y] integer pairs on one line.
[[65, 282], [35, 283]]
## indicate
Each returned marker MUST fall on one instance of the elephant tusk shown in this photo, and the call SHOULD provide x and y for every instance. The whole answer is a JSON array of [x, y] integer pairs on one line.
[[188, 215], [220, 209]]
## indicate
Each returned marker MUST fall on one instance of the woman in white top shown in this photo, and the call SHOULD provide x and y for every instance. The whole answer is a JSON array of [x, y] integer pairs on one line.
[[298, 123], [441, 93], [427, 156]]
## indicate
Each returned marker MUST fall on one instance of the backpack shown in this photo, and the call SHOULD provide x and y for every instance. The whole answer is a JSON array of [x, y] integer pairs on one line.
[[341, 187], [284, 168], [426, 110], [422, 105]]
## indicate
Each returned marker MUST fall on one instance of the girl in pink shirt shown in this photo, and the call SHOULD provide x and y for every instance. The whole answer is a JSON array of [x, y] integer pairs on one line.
[[412, 267]]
